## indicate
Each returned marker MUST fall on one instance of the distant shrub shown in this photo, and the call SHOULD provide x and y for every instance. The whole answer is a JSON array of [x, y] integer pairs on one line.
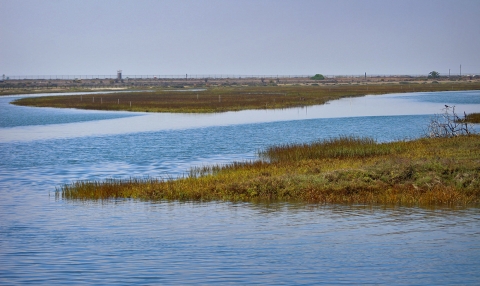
[[434, 74], [318, 77]]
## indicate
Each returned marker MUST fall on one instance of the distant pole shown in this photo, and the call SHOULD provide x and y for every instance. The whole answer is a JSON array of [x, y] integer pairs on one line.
[[448, 72], [365, 75], [460, 70]]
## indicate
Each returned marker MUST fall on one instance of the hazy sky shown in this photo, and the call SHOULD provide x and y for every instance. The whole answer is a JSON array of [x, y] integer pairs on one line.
[[154, 37]]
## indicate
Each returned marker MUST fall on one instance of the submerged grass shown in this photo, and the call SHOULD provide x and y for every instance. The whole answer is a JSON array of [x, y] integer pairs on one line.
[[429, 171], [221, 99]]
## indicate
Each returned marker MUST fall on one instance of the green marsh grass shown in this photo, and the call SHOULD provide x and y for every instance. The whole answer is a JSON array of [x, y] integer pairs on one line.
[[428, 171]]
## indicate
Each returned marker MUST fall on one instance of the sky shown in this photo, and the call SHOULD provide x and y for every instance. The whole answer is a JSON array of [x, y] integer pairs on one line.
[[232, 37]]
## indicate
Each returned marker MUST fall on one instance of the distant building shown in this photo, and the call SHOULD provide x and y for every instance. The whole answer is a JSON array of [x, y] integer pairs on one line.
[[119, 75]]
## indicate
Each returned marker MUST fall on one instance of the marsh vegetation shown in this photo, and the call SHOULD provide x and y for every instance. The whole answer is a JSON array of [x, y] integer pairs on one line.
[[427, 171], [221, 99], [473, 118]]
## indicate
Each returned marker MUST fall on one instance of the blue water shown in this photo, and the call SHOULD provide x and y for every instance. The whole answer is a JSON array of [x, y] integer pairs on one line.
[[47, 240], [27, 116], [449, 98]]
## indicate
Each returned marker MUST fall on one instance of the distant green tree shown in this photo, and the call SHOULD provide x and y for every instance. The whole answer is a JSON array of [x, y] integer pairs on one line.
[[318, 77], [434, 74]]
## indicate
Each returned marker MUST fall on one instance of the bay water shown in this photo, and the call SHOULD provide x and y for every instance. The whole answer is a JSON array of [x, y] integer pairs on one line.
[[47, 240]]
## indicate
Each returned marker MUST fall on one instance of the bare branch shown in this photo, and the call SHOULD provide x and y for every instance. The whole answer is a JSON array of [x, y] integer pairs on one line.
[[448, 124]]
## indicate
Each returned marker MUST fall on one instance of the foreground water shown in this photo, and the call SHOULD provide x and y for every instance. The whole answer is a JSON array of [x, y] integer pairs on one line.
[[46, 240]]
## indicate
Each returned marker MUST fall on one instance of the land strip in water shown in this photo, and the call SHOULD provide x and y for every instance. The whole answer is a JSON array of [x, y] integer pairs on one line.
[[427, 171], [231, 98]]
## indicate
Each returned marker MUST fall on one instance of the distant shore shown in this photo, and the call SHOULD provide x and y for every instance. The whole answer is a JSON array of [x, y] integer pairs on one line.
[[22, 86]]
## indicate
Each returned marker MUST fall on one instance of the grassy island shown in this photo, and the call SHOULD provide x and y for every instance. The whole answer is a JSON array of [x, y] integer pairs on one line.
[[427, 171], [230, 98]]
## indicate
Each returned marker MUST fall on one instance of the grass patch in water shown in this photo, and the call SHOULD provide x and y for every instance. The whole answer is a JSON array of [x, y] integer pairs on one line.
[[428, 171], [473, 118]]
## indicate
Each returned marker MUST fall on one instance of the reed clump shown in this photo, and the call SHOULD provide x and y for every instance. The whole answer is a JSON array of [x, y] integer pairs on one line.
[[343, 147], [473, 118], [427, 171]]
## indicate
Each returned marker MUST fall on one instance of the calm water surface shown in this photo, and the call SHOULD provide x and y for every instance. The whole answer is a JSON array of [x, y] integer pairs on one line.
[[44, 240]]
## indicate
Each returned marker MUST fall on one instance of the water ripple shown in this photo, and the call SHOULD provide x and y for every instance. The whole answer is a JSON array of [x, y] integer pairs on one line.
[[46, 240]]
